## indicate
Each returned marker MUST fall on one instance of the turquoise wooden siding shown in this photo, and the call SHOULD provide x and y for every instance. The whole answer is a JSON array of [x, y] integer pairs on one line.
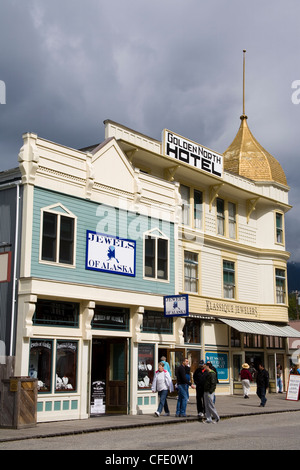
[[103, 219]]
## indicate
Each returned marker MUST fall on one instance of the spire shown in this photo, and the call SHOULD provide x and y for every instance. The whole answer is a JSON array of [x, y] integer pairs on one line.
[[244, 60], [246, 157]]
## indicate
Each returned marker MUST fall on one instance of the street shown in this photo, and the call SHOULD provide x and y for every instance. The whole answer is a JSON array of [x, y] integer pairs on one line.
[[278, 431]]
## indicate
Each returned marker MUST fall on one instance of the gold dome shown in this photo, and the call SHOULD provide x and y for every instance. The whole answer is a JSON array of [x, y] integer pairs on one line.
[[246, 157]]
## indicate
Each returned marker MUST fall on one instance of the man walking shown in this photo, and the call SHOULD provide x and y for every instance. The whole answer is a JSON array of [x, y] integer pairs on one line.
[[209, 393], [199, 380], [182, 386], [262, 382]]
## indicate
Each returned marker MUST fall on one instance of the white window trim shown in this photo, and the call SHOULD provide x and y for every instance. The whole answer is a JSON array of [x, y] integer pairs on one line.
[[63, 212], [157, 234]]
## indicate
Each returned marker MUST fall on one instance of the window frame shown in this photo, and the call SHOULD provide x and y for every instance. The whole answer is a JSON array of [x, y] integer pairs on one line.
[[185, 264], [279, 229], [190, 210], [156, 235], [59, 212], [284, 285], [228, 284], [224, 217]]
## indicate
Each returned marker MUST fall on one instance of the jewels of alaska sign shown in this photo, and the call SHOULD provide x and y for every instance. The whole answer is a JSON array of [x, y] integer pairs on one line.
[[111, 254], [193, 154]]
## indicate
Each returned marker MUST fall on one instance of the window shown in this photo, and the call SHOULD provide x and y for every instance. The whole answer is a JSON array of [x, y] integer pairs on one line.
[[55, 313], [274, 342], [191, 331], [156, 322], [192, 207], [198, 209], [190, 271], [220, 217], [231, 220], [111, 318], [229, 279], [185, 196], [156, 257], [40, 363], [235, 338], [280, 286], [66, 366], [146, 365], [226, 218], [279, 228], [58, 233], [253, 341]]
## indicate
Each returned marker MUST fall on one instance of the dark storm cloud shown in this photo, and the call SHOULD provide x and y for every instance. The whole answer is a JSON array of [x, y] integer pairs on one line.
[[68, 65]]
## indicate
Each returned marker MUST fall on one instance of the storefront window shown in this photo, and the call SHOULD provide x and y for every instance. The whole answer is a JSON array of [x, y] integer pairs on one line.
[[146, 366], [55, 313], [156, 322], [111, 318], [40, 361], [253, 341], [66, 366], [191, 331], [274, 342], [235, 338]]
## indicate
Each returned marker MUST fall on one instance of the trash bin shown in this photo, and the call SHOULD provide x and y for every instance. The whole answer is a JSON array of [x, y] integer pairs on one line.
[[18, 402]]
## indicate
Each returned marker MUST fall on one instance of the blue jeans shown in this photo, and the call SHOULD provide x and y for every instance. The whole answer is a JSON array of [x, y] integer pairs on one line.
[[261, 393], [279, 384], [163, 404], [182, 400]]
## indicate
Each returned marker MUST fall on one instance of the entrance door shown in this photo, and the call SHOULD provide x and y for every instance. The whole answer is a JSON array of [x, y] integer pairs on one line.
[[116, 397], [109, 376]]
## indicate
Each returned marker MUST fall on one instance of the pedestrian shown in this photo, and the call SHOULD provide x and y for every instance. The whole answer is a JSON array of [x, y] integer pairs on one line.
[[209, 392], [279, 377], [199, 380], [262, 382], [188, 377], [216, 372], [246, 378], [182, 383], [167, 367], [162, 383]]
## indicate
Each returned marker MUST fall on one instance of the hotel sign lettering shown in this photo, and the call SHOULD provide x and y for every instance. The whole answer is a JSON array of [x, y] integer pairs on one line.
[[193, 154]]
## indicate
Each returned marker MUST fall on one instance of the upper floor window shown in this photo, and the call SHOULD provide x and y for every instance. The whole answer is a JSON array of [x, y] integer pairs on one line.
[[190, 271], [226, 218], [192, 207], [229, 279], [280, 286], [156, 259], [58, 235], [279, 228]]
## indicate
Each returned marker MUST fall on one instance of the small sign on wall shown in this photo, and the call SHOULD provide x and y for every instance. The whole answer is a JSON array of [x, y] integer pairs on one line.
[[110, 254], [176, 305], [5, 266]]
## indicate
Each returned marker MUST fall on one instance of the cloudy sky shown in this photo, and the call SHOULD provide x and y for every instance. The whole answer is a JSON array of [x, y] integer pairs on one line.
[[68, 65]]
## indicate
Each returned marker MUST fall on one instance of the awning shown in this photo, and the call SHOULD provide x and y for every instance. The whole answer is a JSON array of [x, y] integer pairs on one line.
[[266, 329]]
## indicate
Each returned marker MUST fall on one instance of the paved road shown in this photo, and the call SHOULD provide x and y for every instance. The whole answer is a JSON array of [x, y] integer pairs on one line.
[[267, 432]]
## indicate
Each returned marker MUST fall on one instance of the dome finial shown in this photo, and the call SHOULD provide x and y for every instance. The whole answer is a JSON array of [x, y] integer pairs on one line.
[[244, 57]]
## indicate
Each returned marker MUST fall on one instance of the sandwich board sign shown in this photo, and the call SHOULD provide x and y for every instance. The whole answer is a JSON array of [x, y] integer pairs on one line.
[[293, 388]]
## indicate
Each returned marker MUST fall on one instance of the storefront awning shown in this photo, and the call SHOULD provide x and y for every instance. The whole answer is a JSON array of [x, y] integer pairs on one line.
[[266, 329]]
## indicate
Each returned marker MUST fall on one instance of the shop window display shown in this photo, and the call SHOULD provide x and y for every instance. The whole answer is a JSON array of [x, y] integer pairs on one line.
[[40, 361], [66, 366], [145, 366]]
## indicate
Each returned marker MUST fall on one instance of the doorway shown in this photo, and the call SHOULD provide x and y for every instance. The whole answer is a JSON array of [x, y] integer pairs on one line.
[[109, 376]]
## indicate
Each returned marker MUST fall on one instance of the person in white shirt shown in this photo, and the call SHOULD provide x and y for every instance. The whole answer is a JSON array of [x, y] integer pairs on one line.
[[162, 383]]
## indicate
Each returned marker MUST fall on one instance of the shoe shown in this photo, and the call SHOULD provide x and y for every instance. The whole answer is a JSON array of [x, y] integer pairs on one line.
[[156, 414], [177, 416], [183, 416], [216, 421], [201, 415], [167, 414], [261, 405], [208, 421]]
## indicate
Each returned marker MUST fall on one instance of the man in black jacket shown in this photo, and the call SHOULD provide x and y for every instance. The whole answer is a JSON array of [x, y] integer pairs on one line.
[[182, 386], [262, 382], [199, 380]]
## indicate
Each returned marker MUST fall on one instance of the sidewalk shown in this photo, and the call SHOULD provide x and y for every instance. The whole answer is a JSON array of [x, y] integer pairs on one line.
[[227, 406]]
